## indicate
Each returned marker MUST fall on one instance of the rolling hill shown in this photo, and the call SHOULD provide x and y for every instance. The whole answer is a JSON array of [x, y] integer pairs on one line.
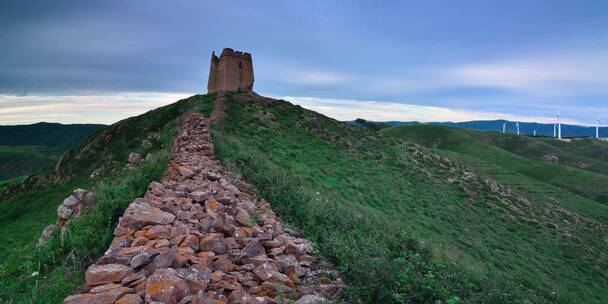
[[54, 135], [526, 128], [574, 172], [26, 149], [407, 214]]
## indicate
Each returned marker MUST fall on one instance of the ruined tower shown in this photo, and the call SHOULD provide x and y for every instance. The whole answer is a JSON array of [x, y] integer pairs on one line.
[[232, 71]]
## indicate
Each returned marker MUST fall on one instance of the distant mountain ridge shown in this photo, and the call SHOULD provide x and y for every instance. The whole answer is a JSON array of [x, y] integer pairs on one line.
[[525, 128], [46, 134], [26, 149]]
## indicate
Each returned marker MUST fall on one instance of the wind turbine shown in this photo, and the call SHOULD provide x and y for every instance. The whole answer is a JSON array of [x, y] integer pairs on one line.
[[517, 127], [554, 130], [504, 127], [597, 128], [534, 132], [559, 127]]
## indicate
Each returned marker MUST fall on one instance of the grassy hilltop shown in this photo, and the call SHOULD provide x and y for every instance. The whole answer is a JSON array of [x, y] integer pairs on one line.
[[465, 219]]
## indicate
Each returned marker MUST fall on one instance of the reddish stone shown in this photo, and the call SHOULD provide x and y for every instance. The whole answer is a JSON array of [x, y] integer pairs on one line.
[[109, 273], [105, 297], [158, 231], [130, 298], [165, 286], [139, 215], [213, 242], [196, 276], [253, 249]]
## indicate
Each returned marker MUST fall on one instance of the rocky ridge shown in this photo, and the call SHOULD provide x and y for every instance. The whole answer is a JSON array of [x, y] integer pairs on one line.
[[195, 237]]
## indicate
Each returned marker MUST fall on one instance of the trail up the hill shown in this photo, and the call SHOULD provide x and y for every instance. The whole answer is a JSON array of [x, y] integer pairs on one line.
[[195, 237]]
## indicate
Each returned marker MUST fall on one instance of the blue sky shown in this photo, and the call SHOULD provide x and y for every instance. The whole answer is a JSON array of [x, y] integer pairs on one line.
[[101, 61]]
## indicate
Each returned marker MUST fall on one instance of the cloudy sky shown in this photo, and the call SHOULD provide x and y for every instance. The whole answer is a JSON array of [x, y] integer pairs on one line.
[[101, 61]]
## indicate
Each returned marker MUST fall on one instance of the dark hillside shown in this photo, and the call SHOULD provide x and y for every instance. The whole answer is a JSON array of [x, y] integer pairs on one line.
[[22, 160], [28, 149], [46, 134]]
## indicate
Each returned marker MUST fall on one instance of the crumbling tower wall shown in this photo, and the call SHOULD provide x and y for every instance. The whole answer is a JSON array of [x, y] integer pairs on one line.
[[232, 71]]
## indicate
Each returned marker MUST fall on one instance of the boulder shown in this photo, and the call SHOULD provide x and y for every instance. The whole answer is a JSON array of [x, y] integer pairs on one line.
[[199, 196], [253, 249], [64, 212], [143, 258], [311, 299], [139, 215], [46, 234], [130, 298], [156, 188], [108, 273], [196, 276], [162, 260], [121, 255], [156, 231], [71, 201], [134, 158], [135, 277], [185, 172], [102, 288], [232, 189], [213, 242], [108, 296], [213, 176], [265, 271], [242, 217], [165, 286]]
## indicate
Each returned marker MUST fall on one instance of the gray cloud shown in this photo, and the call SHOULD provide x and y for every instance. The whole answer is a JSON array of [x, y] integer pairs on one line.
[[512, 57]]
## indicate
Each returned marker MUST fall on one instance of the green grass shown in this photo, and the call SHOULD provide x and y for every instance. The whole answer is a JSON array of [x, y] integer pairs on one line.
[[60, 264], [397, 219], [565, 224], [588, 147], [22, 160], [586, 154], [520, 154], [396, 226], [11, 181]]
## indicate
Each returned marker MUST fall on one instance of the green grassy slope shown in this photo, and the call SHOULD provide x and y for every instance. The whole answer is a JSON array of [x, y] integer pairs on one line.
[[356, 192], [11, 181], [504, 152], [24, 213], [403, 223], [588, 147], [22, 160], [586, 154]]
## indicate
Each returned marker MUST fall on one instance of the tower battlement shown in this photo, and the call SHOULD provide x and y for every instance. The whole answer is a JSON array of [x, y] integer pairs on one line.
[[231, 71]]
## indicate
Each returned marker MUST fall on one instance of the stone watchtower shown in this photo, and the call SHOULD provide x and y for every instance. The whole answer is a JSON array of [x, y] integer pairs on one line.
[[232, 71]]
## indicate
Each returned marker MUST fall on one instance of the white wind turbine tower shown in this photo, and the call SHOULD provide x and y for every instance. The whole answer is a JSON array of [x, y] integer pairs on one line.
[[504, 128], [597, 128], [534, 132], [559, 127], [517, 127], [554, 130]]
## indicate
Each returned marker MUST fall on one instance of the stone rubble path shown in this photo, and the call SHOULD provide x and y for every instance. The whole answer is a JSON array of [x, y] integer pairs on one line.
[[197, 238]]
